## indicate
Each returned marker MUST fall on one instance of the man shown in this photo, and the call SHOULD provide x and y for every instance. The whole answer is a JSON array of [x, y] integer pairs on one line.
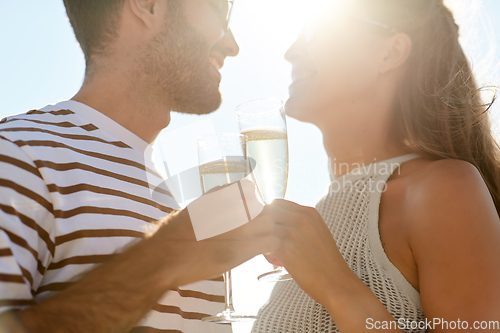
[[81, 245]]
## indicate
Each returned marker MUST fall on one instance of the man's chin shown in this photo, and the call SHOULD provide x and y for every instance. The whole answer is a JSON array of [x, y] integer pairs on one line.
[[199, 105]]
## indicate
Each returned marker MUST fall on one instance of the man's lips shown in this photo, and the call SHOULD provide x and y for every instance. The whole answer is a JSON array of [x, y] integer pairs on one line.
[[216, 62]]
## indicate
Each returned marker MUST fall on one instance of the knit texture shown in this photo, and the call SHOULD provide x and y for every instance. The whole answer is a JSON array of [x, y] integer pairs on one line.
[[351, 211]]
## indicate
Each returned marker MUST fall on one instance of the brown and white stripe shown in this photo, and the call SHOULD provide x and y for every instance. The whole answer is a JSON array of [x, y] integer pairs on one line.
[[75, 191]]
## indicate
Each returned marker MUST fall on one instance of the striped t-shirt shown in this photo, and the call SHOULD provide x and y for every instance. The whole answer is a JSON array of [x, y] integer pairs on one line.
[[73, 192]]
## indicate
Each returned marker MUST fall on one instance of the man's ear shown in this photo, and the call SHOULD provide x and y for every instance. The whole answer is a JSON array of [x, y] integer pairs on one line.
[[397, 51], [144, 10]]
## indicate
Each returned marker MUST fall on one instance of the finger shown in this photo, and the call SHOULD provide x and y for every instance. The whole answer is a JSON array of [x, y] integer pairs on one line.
[[289, 205], [281, 211], [217, 188], [272, 260], [283, 216]]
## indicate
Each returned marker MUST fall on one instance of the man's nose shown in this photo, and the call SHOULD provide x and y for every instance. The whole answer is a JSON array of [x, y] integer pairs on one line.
[[229, 44]]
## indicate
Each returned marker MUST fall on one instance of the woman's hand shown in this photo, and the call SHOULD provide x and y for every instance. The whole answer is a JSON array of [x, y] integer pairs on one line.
[[307, 249]]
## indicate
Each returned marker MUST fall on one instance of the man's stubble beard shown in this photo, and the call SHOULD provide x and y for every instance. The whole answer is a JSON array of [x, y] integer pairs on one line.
[[176, 68]]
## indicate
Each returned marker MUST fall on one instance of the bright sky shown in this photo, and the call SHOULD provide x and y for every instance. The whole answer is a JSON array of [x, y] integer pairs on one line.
[[41, 63]]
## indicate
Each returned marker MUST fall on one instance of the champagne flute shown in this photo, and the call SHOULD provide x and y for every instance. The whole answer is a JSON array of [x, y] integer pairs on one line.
[[222, 159], [263, 123]]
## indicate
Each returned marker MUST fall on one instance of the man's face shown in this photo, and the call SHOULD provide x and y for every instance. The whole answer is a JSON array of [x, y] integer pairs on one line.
[[182, 62]]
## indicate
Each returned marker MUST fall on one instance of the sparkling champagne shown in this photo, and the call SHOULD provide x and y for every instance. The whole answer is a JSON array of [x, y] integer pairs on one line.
[[268, 147], [222, 172]]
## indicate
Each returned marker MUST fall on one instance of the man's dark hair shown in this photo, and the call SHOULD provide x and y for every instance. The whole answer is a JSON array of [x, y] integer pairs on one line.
[[95, 23]]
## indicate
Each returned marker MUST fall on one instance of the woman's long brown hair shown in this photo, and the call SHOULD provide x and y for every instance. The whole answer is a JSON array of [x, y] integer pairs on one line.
[[441, 112]]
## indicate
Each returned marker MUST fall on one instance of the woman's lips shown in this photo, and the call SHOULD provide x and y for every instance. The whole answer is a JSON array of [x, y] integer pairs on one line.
[[300, 73], [300, 77]]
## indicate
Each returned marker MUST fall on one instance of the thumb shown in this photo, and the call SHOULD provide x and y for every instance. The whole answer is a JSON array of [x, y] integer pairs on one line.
[[273, 260]]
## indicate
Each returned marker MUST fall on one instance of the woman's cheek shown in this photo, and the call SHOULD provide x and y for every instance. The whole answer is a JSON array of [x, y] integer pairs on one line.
[[336, 82]]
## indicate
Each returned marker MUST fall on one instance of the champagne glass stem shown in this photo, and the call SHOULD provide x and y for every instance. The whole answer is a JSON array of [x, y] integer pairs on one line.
[[229, 291]]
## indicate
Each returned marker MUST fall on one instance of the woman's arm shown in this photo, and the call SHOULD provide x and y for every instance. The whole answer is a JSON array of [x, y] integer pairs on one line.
[[455, 240]]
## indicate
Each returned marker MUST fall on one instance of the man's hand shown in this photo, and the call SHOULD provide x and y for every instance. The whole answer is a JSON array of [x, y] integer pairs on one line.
[[190, 260], [116, 295]]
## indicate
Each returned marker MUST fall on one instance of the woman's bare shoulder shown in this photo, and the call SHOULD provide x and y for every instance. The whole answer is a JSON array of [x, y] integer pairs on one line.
[[446, 178], [441, 191]]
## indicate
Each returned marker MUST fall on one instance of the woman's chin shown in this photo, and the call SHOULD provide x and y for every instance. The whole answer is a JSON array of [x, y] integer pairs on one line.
[[298, 109]]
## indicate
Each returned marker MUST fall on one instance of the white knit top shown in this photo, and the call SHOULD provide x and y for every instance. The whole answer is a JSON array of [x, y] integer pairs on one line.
[[351, 211]]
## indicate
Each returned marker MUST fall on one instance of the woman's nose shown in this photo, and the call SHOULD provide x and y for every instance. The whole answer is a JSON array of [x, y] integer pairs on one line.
[[295, 50]]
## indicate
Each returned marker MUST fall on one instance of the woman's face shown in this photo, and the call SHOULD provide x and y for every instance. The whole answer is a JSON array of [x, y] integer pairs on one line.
[[334, 70]]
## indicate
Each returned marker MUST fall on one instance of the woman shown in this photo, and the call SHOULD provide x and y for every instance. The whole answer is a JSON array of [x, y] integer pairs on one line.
[[388, 84]]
